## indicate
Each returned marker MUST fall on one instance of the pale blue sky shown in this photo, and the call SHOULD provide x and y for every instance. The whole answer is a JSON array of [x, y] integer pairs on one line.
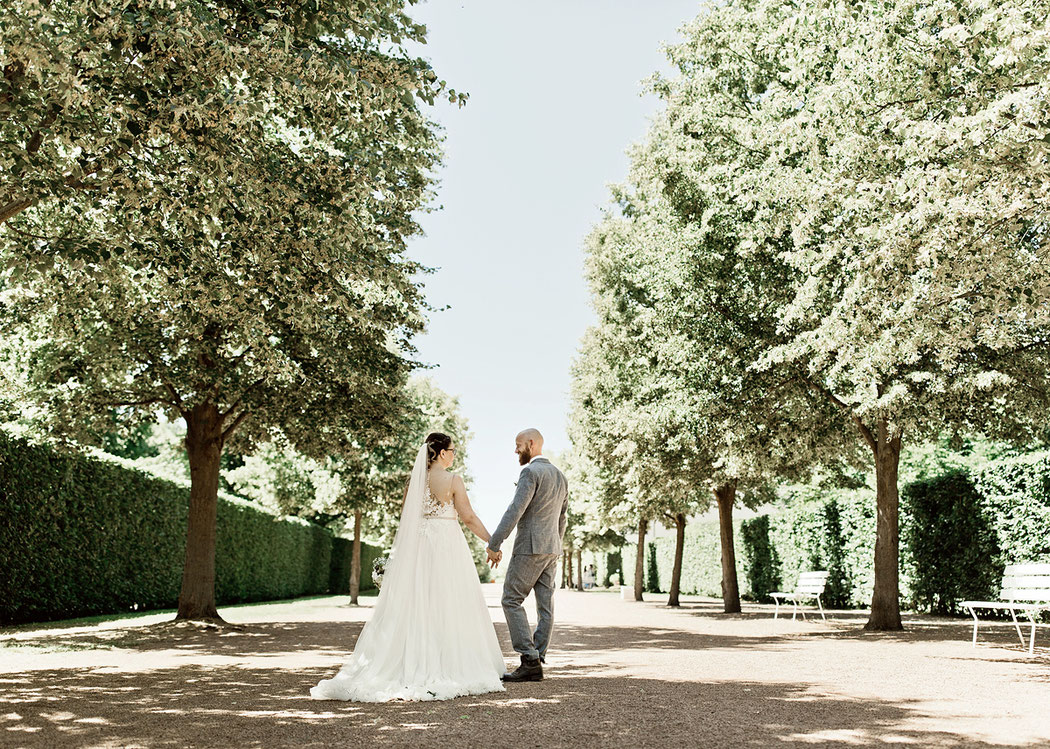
[[554, 102]]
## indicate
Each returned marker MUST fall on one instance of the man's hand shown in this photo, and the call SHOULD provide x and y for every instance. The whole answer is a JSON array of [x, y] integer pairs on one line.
[[495, 557]]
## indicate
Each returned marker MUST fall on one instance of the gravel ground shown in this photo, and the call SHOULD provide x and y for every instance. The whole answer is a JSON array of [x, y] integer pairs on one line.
[[619, 674]]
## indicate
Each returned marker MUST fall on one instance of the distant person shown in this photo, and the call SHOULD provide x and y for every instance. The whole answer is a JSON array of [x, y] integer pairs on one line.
[[538, 511], [431, 636]]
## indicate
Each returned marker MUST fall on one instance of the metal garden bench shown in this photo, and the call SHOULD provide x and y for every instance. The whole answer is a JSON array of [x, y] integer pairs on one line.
[[1025, 589], [810, 586]]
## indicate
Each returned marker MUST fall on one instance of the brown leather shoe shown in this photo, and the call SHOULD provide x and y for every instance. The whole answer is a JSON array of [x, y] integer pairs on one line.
[[529, 670]]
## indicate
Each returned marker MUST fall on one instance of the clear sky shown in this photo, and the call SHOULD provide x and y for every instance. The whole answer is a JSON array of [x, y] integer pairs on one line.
[[555, 99]]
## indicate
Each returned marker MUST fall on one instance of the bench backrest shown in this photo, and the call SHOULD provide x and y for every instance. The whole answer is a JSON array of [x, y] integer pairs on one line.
[[812, 582], [1026, 582]]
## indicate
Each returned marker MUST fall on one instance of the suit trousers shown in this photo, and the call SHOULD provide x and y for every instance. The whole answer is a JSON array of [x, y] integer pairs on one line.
[[527, 573]]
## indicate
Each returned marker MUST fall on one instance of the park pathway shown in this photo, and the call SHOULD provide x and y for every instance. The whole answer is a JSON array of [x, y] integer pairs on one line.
[[620, 674]]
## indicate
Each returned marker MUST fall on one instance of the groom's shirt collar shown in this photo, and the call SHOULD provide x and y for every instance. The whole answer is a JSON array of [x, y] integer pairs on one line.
[[537, 457]]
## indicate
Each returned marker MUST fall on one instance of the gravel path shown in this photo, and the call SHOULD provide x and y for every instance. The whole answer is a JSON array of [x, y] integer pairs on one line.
[[620, 674]]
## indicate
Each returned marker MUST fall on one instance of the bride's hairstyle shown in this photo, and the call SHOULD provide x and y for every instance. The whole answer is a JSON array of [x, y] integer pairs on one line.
[[436, 442]]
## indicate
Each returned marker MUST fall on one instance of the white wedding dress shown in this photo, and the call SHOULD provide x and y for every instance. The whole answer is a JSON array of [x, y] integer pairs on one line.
[[430, 636]]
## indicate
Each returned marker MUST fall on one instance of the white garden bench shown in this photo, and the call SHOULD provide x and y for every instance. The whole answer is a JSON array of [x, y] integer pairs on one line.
[[1025, 589], [810, 586]]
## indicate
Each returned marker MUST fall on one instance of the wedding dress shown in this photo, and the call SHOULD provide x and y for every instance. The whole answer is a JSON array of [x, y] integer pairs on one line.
[[430, 636]]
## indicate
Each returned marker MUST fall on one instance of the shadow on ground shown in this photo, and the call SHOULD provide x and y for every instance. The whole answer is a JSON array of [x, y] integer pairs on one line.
[[254, 704], [277, 638], [571, 638], [255, 638], [257, 707], [849, 624]]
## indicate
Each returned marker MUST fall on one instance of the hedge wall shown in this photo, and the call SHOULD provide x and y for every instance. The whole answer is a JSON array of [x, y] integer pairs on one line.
[[84, 536], [1015, 494], [949, 544], [342, 553], [958, 530], [701, 559], [835, 532]]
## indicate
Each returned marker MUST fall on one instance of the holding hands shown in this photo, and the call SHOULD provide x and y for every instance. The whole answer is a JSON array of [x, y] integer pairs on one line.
[[495, 557]]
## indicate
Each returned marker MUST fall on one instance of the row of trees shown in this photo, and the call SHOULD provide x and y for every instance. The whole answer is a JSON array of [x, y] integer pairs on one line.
[[203, 213], [832, 240]]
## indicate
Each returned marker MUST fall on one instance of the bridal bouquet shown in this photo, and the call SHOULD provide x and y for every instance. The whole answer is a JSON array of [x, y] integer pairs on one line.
[[378, 568]]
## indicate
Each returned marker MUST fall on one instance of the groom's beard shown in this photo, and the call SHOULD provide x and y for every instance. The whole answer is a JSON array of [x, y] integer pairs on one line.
[[524, 456]]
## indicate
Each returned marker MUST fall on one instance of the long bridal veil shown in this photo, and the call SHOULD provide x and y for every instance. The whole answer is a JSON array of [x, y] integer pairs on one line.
[[430, 635], [404, 554]]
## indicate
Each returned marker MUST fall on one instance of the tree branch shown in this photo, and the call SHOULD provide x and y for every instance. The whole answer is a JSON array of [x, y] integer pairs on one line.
[[953, 95], [228, 432], [178, 401], [14, 207], [145, 402], [864, 430], [240, 398]]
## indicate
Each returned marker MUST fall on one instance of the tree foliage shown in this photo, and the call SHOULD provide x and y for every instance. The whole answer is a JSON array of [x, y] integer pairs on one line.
[[836, 226], [253, 193], [103, 105]]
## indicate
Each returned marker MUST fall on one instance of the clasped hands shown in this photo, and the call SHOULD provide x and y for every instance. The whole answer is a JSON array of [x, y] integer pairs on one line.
[[495, 557]]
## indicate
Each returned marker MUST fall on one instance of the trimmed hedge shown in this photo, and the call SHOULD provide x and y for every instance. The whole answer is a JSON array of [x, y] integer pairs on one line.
[[342, 554], [950, 546], [1015, 493], [835, 532], [84, 536], [701, 559], [652, 570], [761, 561]]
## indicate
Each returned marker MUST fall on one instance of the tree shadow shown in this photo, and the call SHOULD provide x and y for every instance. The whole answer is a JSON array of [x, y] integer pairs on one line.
[[849, 624], [572, 638], [256, 707], [251, 639], [258, 701]]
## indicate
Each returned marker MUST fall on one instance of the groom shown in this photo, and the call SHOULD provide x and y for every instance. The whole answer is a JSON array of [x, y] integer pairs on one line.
[[538, 510]]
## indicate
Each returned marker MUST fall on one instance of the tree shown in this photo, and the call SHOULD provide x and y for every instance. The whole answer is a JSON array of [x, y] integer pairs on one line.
[[588, 526], [107, 99], [893, 157], [666, 380], [616, 435], [599, 393], [376, 476], [277, 300], [361, 489]]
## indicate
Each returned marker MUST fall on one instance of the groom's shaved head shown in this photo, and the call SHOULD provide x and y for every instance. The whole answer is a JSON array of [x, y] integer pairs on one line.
[[532, 435]]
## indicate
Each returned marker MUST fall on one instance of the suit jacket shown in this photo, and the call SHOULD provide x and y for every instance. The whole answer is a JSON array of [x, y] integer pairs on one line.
[[538, 509]]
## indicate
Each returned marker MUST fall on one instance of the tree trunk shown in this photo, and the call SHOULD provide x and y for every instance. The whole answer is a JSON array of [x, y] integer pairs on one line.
[[639, 560], [355, 560], [725, 495], [204, 449], [679, 549], [565, 569], [570, 568], [579, 569], [885, 601]]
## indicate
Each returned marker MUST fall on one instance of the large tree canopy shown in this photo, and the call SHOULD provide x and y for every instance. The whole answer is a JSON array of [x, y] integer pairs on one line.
[[847, 199], [102, 102], [251, 277]]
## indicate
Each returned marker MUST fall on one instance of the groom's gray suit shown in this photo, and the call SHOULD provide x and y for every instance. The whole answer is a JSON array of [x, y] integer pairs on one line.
[[539, 508]]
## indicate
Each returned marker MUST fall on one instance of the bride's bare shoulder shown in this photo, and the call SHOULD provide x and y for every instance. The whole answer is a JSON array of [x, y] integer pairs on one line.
[[442, 482]]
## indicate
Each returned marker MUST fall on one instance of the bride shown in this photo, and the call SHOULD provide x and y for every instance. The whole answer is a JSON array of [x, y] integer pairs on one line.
[[430, 636]]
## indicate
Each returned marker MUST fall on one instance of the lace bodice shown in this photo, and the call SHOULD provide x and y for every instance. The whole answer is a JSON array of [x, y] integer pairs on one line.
[[432, 508]]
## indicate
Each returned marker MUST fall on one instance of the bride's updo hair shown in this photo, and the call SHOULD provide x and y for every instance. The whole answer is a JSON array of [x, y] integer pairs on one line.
[[436, 442]]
